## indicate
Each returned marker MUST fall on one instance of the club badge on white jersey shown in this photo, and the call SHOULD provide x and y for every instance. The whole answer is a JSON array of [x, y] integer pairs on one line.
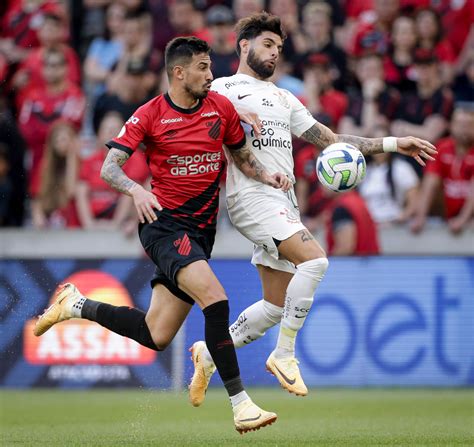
[[282, 115]]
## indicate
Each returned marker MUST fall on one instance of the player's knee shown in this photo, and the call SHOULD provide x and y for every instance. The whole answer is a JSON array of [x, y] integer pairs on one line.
[[315, 268], [160, 342], [211, 295], [160, 339]]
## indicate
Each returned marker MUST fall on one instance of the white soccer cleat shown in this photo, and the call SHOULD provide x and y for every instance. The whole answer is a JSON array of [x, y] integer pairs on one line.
[[203, 371], [288, 374], [250, 417], [61, 310]]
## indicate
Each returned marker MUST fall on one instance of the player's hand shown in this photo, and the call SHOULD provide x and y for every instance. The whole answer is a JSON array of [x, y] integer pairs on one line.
[[252, 119], [144, 202], [417, 148], [279, 181], [417, 224], [456, 224]]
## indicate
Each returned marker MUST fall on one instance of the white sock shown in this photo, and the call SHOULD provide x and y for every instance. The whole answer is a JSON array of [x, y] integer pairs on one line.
[[298, 301], [238, 398], [252, 324], [77, 307]]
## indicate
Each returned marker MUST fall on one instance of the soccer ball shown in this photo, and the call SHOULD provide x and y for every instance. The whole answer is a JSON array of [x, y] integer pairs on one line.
[[340, 167]]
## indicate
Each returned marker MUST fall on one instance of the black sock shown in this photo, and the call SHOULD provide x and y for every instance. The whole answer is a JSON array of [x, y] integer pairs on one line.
[[221, 347], [122, 320]]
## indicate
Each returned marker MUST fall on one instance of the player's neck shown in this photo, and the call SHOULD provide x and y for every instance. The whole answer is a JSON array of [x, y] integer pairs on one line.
[[182, 99]]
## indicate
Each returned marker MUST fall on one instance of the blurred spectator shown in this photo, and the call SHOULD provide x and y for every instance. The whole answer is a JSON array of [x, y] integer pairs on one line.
[[453, 170], [283, 78], [287, 11], [458, 22], [185, 19], [14, 145], [6, 187], [54, 207], [52, 35], [134, 5], [464, 83], [390, 189], [220, 21], [425, 112], [353, 9], [19, 26], [316, 37], [350, 229], [398, 62], [136, 47], [58, 99], [244, 8], [373, 31], [326, 104], [105, 51], [372, 105], [430, 37], [98, 205], [133, 93]]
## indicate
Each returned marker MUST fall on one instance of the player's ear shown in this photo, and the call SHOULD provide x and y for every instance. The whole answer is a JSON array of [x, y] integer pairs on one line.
[[244, 46], [178, 72]]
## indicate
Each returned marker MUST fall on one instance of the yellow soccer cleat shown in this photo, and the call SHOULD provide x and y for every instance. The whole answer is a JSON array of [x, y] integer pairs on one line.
[[288, 374], [203, 371], [66, 296], [250, 417]]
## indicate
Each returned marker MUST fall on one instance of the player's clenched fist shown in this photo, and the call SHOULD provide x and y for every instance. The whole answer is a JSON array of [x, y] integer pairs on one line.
[[280, 181], [144, 202]]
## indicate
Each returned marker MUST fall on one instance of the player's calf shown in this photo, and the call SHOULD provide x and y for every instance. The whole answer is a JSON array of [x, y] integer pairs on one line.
[[122, 320]]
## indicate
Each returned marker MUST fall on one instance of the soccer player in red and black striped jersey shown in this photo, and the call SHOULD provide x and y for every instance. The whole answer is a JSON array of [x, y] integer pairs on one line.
[[183, 131]]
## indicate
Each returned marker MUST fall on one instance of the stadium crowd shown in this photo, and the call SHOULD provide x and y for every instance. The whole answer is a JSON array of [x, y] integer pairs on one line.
[[71, 73]]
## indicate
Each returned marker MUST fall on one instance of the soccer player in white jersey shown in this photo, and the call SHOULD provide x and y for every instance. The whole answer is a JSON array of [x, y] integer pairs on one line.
[[290, 262]]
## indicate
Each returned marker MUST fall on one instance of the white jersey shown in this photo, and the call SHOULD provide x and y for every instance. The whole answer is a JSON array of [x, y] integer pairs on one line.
[[281, 113]]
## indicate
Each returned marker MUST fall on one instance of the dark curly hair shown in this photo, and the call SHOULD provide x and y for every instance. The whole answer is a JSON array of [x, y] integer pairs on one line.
[[251, 27]]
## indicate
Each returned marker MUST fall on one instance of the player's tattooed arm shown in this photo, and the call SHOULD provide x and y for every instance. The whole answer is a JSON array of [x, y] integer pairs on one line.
[[145, 202], [419, 149], [321, 136], [113, 174], [305, 235], [252, 168]]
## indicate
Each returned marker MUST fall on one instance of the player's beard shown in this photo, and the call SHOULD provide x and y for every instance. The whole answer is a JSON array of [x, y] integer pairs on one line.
[[195, 93], [259, 66]]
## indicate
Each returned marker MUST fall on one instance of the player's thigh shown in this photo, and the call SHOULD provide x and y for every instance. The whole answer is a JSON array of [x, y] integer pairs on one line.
[[301, 247], [199, 281], [165, 315], [274, 284], [265, 216]]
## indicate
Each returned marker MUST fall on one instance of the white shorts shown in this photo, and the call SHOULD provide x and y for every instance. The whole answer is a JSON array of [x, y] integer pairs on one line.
[[266, 215]]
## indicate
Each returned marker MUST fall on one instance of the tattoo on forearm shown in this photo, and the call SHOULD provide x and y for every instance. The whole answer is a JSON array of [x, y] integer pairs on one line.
[[112, 171], [322, 137], [319, 135], [367, 146], [305, 235], [248, 163]]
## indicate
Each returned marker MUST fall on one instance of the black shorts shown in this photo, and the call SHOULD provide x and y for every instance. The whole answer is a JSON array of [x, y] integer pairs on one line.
[[172, 245]]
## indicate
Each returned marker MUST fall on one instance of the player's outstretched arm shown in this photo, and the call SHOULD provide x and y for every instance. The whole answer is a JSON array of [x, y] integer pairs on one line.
[[251, 167], [113, 174], [419, 149]]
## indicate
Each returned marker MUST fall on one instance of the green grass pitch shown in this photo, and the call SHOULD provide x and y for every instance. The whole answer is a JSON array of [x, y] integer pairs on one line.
[[334, 417]]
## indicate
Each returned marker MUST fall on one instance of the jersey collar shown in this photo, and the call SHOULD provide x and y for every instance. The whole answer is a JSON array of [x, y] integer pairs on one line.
[[180, 109]]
